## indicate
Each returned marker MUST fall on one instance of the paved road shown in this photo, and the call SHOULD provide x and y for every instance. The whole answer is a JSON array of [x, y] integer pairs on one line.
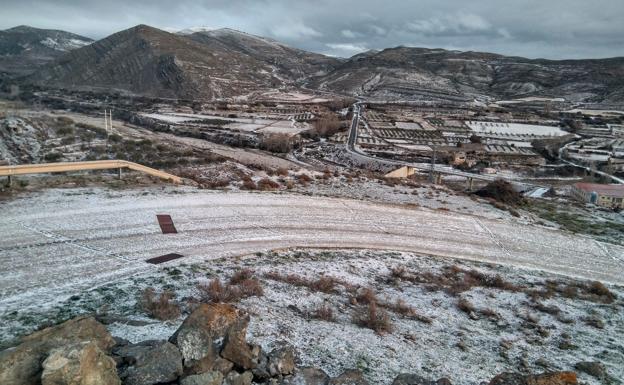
[[62, 241]]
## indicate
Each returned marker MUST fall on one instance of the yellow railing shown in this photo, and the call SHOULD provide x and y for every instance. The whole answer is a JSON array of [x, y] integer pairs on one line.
[[42, 168]]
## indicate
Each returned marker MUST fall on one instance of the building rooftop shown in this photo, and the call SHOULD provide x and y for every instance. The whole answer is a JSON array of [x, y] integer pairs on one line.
[[613, 190]]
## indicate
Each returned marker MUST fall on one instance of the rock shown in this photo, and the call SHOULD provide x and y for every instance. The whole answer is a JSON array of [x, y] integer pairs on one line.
[[236, 348], [79, 364], [21, 365], [307, 376], [150, 362], [261, 371], [235, 378], [555, 378], [595, 369], [281, 360], [201, 335], [414, 379], [349, 377], [222, 365], [208, 378]]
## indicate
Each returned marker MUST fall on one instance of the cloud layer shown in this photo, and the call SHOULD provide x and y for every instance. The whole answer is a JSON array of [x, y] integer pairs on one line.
[[551, 29]]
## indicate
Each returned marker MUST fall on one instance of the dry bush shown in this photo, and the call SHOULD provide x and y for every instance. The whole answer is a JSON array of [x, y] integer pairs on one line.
[[323, 284], [217, 292], [466, 306], [266, 184], [249, 184], [324, 312], [162, 307], [366, 296], [282, 171], [600, 290], [241, 275], [374, 318], [304, 178], [251, 288]]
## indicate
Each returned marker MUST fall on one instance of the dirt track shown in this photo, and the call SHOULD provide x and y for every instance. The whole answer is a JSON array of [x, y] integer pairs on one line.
[[62, 241]]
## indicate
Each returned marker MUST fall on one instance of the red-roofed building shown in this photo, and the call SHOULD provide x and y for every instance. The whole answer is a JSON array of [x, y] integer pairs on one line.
[[605, 195]]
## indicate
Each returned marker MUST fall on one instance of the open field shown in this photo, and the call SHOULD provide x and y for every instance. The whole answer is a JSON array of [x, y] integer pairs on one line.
[[59, 242]]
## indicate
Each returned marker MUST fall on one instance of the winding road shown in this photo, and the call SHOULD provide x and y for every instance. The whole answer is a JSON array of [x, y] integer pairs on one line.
[[56, 243]]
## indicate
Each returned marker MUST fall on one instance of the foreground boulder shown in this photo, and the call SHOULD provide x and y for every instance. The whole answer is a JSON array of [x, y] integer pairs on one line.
[[200, 337], [149, 362], [557, 378], [79, 364], [21, 365], [281, 360], [593, 368], [208, 378]]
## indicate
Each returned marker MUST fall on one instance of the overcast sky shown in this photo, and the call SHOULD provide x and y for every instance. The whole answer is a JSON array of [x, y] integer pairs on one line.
[[532, 28]]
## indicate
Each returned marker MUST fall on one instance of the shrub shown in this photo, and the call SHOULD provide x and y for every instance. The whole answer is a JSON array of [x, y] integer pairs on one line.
[[366, 296], [245, 286], [162, 306], [241, 275], [282, 171], [466, 306], [599, 289], [323, 284], [324, 312], [53, 156], [501, 191], [280, 143], [265, 184], [304, 178], [249, 185], [374, 318]]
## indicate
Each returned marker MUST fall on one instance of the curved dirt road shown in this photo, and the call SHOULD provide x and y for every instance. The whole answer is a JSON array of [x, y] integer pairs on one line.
[[62, 241]]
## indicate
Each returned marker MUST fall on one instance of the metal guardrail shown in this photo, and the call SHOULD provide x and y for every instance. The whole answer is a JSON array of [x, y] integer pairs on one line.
[[43, 168]]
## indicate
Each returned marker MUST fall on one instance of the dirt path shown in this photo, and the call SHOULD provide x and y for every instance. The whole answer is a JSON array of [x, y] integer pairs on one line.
[[62, 241]]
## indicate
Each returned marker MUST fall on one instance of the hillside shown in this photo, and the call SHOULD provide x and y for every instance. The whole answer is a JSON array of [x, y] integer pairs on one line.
[[417, 73], [149, 61], [23, 48], [290, 63], [227, 63]]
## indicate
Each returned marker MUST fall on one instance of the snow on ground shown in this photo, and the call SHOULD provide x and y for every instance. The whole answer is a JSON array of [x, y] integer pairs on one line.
[[57, 243], [507, 331]]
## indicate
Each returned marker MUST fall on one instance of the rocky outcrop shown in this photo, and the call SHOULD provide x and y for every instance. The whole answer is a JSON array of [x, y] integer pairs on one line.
[[149, 362], [21, 365], [79, 364], [209, 348]]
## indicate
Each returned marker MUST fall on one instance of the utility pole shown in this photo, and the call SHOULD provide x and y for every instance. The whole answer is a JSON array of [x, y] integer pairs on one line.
[[432, 170]]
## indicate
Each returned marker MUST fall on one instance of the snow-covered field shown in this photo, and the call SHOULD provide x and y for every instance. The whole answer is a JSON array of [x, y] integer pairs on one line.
[[515, 129], [59, 242], [508, 331]]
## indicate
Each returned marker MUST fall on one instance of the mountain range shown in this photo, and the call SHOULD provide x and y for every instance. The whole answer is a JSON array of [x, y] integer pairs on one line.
[[23, 49], [225, 63]]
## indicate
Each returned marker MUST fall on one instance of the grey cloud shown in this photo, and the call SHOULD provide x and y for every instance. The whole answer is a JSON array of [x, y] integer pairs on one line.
[[533, 28]]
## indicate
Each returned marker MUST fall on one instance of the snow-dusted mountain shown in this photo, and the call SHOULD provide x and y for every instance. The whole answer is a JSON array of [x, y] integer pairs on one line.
[[23, 48]]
